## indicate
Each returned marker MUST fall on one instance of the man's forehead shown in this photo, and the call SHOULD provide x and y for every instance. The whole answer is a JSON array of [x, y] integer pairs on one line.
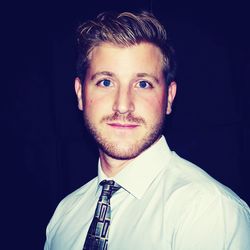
[[140, 60], [110, 47]]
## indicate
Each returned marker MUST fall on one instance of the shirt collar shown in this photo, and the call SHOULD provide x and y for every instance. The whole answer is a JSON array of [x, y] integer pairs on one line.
[[137, 176]]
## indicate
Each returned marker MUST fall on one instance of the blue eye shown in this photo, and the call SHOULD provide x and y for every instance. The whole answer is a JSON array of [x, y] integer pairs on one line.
[[105, 83], [144, 85]]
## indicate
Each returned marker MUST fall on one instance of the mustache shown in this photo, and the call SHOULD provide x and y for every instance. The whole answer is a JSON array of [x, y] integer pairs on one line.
[[123, 118]]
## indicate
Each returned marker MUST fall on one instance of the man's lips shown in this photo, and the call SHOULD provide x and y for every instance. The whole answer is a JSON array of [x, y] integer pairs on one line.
[[123, 126]]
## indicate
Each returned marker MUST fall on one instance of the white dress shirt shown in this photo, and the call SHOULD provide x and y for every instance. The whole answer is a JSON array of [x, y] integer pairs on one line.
[[165, 203]]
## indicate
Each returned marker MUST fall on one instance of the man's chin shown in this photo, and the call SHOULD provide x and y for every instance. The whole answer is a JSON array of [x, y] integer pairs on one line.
[[125, 147], [120, 154], [124, 151]]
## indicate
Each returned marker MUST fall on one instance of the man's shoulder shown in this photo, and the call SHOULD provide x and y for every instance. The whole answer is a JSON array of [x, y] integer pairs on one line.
[[197, 204], [75, 196], [195, 184]]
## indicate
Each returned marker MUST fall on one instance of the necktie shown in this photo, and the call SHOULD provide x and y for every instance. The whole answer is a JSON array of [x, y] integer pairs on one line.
[[97, 237]]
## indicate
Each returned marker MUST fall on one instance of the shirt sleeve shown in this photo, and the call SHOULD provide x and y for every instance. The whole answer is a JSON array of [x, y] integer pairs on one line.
[[216, 223]]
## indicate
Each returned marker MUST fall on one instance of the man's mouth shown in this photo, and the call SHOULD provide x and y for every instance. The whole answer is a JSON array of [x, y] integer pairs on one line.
[[123, 125]]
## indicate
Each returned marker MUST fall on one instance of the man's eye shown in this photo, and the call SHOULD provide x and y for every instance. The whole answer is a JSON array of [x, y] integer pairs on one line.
[[144, 85], [104, 83]]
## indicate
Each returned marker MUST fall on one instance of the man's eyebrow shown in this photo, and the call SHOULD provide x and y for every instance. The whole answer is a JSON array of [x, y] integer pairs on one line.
[[102, 73], [110, 74], [147, 75]]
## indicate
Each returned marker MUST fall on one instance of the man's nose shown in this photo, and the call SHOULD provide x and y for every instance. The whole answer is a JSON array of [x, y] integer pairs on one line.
[[123, 101]]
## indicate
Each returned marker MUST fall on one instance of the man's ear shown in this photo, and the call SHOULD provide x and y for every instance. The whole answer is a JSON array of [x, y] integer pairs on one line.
[[78, 90], [172, 88]]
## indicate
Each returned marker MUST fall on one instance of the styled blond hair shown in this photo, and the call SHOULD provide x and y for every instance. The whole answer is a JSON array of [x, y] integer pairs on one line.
[[123, 29]]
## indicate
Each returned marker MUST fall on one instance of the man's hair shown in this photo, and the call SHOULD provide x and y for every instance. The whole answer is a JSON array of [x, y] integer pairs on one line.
[[123, 29]]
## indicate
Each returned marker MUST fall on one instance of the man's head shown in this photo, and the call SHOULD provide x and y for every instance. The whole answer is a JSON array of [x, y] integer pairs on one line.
[[125, 81]]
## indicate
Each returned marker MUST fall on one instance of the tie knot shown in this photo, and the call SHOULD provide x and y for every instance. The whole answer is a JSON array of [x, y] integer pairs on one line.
[[109, 187]]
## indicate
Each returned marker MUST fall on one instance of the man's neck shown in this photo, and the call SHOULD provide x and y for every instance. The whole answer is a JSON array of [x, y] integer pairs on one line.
[[111, 166]]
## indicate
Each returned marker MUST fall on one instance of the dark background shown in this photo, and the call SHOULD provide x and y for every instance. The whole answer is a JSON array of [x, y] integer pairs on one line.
[[46, 152]]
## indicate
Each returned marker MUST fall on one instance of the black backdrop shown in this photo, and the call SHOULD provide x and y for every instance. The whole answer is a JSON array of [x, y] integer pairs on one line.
[[46, 152]]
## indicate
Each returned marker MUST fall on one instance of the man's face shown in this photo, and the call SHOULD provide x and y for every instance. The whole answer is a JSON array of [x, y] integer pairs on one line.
[[124, 98]]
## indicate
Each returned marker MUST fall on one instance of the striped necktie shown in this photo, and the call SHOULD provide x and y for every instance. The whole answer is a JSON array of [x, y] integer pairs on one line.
[[97, 237]]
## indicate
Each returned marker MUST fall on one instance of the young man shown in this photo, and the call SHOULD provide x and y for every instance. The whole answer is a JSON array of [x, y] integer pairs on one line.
[[145, 196]]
